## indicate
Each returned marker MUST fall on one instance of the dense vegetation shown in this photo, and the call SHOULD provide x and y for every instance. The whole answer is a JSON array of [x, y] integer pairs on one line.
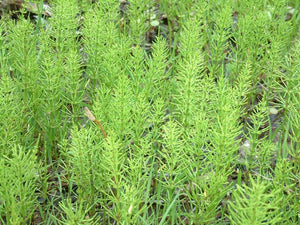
[[150, 112]]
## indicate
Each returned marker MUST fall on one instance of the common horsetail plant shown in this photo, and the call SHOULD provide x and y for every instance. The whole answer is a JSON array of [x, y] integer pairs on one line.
[[197, 105]]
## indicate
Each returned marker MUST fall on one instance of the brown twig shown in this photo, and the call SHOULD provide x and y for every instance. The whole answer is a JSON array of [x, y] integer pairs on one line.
[[90, 115]]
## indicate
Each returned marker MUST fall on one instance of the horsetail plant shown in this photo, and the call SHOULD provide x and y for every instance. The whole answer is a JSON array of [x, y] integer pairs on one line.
[[150, 112]]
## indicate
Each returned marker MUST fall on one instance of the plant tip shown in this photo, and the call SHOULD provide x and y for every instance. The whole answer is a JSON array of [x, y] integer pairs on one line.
[[89, 114]]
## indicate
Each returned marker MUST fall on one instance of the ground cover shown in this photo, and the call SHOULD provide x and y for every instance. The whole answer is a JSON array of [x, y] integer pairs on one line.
[[150, 112]]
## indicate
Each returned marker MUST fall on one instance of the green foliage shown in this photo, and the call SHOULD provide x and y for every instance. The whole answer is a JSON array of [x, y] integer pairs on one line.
[[255, 204], [74, 214], [19, 175], [198, 100]]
